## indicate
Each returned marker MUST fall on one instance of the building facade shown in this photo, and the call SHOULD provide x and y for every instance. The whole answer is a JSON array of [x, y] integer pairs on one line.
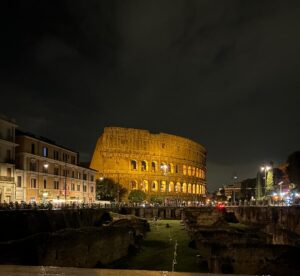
[[158, 164], [7, 159], [49, 172]]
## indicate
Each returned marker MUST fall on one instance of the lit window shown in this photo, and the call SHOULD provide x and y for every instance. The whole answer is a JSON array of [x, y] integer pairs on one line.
[[56, 184], [33, 183], [45, 151]]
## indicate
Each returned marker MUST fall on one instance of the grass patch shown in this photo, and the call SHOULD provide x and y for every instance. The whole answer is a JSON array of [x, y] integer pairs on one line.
[[157, 251]]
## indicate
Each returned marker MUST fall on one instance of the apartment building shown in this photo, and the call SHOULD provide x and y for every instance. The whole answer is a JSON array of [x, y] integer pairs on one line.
[[50, 172], [7, 159]]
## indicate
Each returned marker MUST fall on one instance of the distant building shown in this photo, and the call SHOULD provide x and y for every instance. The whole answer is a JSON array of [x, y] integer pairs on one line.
[[50, 172], [159, 164], [7, 159], [233, 191]]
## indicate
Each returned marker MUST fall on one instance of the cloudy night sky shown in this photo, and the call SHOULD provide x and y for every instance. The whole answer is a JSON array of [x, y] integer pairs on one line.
[[223, 73]]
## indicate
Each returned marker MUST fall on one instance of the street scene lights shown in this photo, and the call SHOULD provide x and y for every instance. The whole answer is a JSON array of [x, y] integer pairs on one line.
[[164, 168]]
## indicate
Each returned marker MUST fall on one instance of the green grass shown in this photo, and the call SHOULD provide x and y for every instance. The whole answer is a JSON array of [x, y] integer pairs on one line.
[[157, 251]]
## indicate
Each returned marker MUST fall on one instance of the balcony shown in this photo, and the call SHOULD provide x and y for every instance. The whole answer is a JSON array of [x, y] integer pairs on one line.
[[6, 178]]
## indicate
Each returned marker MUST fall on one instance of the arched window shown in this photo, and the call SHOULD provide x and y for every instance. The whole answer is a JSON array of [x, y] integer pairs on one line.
[[163, 186], [184, 190], [197, 172], [197, 189], [171, 166], [171, 187], [193, 171], [133, 185], [194, 188], [184, 169], [144, 166], [190, 188], [154, 186], [178, 187], [144, 185], [164, 168], [153, 166], [189, 170], [133, 165]]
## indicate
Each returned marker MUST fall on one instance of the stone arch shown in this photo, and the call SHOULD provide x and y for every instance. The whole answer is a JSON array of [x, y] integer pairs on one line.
[[145, 186], [184, 188], [164, 168], [133, 165], [193, 171], [153, 166], [154, 186], [184, 170], [163, 185], [171, 166], [197, 189], [178, 187], [171, 187], [197, 172], [189, 170], [193, 188], [133, 185], [144, 166], [189, 188]]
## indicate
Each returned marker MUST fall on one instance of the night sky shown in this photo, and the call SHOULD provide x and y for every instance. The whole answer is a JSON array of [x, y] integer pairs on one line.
[[223, 73]]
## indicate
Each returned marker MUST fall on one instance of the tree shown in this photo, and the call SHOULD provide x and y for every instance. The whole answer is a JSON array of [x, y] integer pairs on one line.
[[108, 189], [278, 176], [293, 168], [136, 196], [157, 199]]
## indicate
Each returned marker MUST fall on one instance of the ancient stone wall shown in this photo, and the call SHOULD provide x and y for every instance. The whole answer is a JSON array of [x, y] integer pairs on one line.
[[159, 164]]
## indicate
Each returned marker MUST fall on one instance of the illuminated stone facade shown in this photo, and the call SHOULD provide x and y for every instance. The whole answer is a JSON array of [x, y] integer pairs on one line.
[[159, 164]]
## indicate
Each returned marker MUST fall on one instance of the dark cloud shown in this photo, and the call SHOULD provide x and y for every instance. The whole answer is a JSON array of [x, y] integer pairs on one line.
[[224, 73]]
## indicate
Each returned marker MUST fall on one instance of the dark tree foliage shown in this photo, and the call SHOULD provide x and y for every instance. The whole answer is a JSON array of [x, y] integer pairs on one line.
[[108, 189], [293, 168], [248, 187], [157, 199], [136, 196], [278, 176]]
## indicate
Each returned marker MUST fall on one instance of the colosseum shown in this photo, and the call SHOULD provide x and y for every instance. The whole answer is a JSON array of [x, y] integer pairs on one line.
[[164, 165]]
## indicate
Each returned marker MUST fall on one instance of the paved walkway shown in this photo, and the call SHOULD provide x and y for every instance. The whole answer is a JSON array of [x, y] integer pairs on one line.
[[15, 270]]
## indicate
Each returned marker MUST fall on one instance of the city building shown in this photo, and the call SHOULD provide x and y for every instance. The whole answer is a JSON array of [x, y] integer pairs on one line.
[[7, 159], [232, 191], [50, 172], [161, 164]]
